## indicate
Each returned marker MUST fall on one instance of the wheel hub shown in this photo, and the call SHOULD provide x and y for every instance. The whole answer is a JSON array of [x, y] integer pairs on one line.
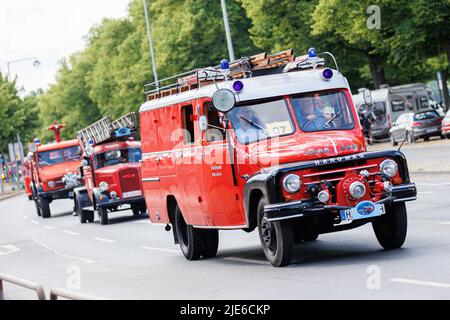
[[268, 234]]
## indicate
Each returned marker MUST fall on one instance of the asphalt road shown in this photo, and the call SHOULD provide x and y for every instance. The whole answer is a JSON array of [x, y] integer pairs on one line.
[[133, 259]]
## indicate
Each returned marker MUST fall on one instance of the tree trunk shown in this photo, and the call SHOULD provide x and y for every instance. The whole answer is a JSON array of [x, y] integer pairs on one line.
[[445, 95], [377, 71]]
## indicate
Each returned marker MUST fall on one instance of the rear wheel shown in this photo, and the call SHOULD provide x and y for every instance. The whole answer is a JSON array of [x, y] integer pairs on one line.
[[210, 243], [44, 204], [103, 214], [391, 230], [190, 239], [277, 238], [310, 236]]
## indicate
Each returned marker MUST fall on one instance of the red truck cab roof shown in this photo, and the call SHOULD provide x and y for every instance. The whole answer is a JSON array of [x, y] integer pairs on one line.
[[57, 145]]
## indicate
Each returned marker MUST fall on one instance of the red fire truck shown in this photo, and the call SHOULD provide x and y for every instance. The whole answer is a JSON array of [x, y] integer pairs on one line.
[[53, 170], [268, 142], [111, 169]]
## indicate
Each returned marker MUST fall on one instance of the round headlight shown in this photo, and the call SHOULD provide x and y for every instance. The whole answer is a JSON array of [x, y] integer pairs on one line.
[[103, 186], [113, 195], [89, 150], [51, 184], [323, 196], [292, 183], [224, 100], [389, 168], [387, 185], [357, 190]]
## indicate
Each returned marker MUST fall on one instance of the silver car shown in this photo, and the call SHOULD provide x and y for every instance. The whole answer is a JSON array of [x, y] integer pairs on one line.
[[413, 126]]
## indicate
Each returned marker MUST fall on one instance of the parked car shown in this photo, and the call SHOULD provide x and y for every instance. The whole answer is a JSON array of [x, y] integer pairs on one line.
[[445, 128], [414, 126]]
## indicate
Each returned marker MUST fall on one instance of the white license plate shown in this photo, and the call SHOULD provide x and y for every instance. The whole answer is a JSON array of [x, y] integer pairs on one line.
[[131, 194], [432, 130], [364, 210]]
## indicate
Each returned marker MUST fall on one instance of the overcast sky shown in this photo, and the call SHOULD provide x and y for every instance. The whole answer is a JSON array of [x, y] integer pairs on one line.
[[48, 30]]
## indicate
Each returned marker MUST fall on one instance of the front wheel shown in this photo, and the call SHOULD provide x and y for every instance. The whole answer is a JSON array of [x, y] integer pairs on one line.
[[277, 238], [103, 213], [38, 208], [44, 204], [190, 239], [210, 243], [391, 230]]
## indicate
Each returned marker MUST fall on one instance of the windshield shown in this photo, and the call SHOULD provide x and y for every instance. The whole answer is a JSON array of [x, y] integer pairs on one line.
[[50, 158], [261, 120], [110, 158], [426, 115], [322, 111]]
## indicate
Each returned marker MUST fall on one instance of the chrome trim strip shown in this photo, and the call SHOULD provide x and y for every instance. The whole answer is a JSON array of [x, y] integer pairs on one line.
[[151, 179], [405, 199], [285, 218], [223, 228]]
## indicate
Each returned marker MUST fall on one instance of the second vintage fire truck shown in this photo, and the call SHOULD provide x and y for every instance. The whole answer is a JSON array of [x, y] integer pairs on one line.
[[268, 142], [51, 170], [111, 170]]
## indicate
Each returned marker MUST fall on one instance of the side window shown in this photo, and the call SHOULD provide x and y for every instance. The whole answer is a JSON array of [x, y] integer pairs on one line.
[[187, 114], [213, 133]]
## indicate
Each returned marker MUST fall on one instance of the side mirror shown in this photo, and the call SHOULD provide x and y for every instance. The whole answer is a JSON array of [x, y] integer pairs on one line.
[[224, 100], [367, 95], [203, 123], [89, 150], [30, 156], [32, 147], [84, 163]]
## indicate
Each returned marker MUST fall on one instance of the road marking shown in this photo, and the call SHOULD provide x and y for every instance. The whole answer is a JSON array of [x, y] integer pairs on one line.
[[447, 222], [104, 240], [422, 283], [61, 254], [25, 217], [161, 249], [34, 221], [70, 232], [10, 249], [426, 192], [48, 227], [146, 221], [247, 260]]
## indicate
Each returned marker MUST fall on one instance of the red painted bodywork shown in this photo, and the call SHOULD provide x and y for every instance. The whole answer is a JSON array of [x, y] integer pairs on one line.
[[41, 176], [445, 126], [116, 175], [204, 189], [27, 177]]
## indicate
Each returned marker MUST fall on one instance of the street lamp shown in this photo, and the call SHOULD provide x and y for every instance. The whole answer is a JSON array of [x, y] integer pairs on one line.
[[152, 50], [227, 30], [36, 63]]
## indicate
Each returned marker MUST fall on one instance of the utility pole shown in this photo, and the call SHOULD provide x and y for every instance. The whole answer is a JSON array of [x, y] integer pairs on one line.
[[150, 40], [227, 30]]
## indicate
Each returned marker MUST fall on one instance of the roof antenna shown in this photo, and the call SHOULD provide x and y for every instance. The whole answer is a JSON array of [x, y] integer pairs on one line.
[[56, 128]]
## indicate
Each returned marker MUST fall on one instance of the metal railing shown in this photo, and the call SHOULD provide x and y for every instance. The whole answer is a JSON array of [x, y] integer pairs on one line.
[[21, 283], [39, 289]]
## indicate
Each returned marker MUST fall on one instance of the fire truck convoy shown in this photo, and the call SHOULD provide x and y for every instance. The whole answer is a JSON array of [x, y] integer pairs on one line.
[[268, 142], [52, 170], [111, 169]]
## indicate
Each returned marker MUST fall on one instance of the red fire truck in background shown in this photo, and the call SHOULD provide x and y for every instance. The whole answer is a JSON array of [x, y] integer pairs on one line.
[[52, 170], [111, 169], [268, 142]]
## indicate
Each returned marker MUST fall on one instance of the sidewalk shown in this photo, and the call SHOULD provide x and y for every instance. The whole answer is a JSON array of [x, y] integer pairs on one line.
[[9, 192]]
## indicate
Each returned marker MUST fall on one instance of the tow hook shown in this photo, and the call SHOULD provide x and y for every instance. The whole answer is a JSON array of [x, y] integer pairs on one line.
[[168, 228]]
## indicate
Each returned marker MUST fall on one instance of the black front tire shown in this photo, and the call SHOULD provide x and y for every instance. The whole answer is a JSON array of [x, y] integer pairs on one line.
[[38, 208], [277, 238], [210, 243], [103, 214], [391, 230], [44, 204], [190, 239]]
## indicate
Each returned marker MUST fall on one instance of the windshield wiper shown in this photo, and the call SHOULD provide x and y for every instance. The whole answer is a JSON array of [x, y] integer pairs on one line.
[[255, 125], [327, 124]]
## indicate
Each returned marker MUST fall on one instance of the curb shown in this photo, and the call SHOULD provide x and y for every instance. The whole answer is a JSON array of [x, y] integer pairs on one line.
[[11, 195]]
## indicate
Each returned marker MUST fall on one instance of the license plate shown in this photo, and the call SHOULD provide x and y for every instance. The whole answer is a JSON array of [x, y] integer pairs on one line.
[[131, 194], [432, 130], [364, 210]]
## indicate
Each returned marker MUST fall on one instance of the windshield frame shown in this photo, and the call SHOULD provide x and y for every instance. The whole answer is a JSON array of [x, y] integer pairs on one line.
[[65, 159], [95, 161]]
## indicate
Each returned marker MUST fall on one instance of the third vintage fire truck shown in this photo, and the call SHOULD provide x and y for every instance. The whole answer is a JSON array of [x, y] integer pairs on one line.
[[111, 169], [268, 142]]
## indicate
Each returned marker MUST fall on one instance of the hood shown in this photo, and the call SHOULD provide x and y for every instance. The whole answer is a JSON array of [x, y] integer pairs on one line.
[[117, 167], [306, 147], [57, 171]]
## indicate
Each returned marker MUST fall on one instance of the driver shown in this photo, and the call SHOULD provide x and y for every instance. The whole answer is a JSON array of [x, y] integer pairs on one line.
[[308, 118]]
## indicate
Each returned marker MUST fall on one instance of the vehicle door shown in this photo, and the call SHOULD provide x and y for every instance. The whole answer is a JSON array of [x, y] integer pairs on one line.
[[222, 203], [88, 174], [189, 167]]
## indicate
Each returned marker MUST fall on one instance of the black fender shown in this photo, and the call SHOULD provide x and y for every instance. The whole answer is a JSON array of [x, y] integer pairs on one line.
[[83, 197], [268, 182]]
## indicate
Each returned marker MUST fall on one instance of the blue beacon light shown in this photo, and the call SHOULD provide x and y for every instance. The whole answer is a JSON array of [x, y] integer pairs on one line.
[[327, 74], [312, 53], [238, 86], [37, 141], [224, 64]]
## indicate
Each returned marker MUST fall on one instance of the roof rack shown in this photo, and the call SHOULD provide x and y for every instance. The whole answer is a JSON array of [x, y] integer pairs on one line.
[[195, 79], [106, 130]]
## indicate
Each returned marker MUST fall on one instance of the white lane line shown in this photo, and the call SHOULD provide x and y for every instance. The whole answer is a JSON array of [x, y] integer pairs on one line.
[[70, 232], [61, 254], [104, 240], [421, 283], [447, 222], [48, 227], [10, 249], [247, 260], [144, 221], [34, 221], [161, 249], [426, 192]]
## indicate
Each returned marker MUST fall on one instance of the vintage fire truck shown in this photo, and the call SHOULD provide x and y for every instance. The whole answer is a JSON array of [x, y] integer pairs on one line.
[[52, 170], [267, 142], [111, 169]]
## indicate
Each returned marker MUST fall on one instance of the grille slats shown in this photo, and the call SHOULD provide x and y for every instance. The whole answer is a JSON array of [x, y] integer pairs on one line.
[[129, 180]]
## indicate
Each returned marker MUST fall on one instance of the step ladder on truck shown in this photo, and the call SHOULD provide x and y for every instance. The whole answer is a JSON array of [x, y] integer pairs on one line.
[[111, 169]]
